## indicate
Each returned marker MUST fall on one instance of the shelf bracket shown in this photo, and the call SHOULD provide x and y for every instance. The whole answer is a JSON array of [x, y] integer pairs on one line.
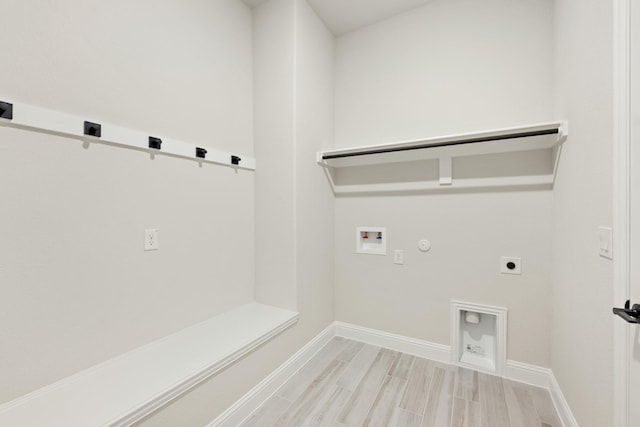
[[563, 130], [320, 160], [446, 170]]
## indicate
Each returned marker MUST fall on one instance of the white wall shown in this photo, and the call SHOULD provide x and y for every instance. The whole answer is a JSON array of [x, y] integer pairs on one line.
[[582, 342], [314, 198], [447, 67], [186, 71], [275, 134], [294, 205], [293, 72], [77, 287]]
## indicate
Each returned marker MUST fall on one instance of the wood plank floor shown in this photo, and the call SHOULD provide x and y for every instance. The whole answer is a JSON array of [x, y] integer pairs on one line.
[[349, 383]]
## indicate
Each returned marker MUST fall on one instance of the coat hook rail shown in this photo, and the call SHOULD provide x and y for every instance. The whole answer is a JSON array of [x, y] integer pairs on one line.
[[36, 119]]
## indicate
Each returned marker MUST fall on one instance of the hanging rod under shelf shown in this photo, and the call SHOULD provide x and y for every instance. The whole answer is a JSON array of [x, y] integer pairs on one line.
[[443, 144], [484, 142], [37, 119]]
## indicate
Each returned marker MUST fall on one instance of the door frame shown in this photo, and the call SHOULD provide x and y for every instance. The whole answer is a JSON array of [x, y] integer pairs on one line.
[[621, 207]]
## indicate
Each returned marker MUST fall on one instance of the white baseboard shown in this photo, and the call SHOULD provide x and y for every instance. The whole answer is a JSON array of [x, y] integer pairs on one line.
[[562, 407], [416, 347], [516, 371], [251, 401], [528, 374]]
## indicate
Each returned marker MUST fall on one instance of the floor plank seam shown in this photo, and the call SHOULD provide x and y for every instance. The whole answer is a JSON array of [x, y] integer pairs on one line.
[[380, 386]]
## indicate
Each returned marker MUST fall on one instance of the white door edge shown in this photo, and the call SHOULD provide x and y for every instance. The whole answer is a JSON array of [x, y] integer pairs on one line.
[[621, 207]]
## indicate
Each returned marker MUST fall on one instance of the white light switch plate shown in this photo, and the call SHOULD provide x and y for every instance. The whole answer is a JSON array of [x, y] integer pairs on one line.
[[605, 237], [151, 239], [398, 256]]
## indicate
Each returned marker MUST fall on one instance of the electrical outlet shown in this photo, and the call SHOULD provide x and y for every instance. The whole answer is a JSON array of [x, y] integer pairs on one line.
[[151, 239], [398, 256], [510, 265]]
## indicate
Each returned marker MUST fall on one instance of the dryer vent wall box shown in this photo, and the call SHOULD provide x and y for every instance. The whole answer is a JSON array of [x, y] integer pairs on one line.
[[371, 240], [479, 336]]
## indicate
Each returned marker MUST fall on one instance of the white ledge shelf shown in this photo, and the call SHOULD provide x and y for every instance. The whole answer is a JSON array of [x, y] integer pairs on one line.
[[37, 119], [123, 390], [444, 148]]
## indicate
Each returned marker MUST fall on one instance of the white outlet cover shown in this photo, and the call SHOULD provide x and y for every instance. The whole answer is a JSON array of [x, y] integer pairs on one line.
[[398, 257], [151, 239], [504, 262]]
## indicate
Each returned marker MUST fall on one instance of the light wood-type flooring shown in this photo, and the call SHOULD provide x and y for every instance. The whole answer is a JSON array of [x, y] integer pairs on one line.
[[349, 383]]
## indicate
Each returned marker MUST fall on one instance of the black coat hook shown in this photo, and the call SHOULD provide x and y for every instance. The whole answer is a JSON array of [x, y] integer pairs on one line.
[[6, 110], [201, 152], [235, 160], [155, 143], [93, 129]]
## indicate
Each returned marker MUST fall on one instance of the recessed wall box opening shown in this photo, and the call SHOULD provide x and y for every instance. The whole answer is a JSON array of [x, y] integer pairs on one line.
[[371, 240], [478, 336]]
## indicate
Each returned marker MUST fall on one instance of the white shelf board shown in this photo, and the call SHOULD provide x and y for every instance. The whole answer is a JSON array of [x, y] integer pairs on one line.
[[464, 144], [542, 181], [37, 119], [123, 390]]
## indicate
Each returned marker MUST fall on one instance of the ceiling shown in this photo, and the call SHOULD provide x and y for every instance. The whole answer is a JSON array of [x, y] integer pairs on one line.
[[253, 3], [343, 16]]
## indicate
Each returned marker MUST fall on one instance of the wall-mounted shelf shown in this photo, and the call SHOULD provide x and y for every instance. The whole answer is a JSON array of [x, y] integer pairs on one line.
[[545, 136], [36, 119]]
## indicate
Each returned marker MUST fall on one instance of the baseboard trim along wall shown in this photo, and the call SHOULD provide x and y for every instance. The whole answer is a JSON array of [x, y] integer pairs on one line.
[[416, 347], [516, 371], [528, 374], [561, 404]]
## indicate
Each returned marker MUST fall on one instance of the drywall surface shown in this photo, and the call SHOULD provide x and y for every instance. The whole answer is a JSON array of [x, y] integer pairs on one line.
[[290, 43], [444, 68], [314, 199], [77, 287], [582, 347], [448, 67], [274, 111], [468, 234]]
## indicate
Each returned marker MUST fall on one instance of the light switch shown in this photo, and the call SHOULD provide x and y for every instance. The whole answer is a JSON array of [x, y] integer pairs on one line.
[[605, 237]]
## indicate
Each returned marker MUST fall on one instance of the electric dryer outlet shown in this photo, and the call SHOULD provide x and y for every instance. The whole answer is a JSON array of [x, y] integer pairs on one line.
[[510, 265]]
